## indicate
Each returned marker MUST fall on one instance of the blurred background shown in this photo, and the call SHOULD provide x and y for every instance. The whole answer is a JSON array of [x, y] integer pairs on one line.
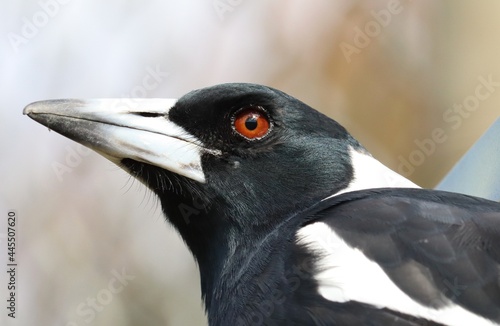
[[415, 81]]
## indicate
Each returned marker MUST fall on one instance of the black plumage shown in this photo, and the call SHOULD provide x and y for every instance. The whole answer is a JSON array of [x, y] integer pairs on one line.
[[290, 220]]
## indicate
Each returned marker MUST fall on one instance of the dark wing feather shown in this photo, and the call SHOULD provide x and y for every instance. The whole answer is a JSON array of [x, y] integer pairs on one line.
[[432, 244]]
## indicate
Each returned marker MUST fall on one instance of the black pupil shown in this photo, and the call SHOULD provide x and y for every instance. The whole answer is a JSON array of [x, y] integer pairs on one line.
[[251, 122]]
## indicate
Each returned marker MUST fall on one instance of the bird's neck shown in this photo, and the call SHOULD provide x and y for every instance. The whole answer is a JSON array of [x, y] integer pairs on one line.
[[239, 278], [241, 265]]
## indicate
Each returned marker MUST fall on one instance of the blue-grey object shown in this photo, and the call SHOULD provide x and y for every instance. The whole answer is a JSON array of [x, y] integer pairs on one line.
[[478, 171]]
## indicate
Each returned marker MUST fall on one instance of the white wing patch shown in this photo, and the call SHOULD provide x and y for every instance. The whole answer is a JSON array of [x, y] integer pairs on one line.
[[370, 173], [348, 275]]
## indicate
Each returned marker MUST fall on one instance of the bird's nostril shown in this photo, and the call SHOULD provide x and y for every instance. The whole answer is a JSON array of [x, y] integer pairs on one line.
[[147, 114]]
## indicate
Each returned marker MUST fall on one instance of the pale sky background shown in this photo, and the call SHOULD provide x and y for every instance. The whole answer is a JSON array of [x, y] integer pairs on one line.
[[395, 73]]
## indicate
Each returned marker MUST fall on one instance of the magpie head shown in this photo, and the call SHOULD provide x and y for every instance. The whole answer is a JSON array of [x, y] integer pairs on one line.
[[264, 155], [229, 162]]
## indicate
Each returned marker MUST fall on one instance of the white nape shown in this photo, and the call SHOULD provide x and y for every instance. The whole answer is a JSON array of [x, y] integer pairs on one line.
[[348, 275], [369, 173]]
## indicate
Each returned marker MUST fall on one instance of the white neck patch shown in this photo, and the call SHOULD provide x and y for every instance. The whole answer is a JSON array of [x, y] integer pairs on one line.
[[369, 173]]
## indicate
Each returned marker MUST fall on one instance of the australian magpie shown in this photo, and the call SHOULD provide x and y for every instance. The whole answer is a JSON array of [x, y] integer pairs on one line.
[[290, 219]]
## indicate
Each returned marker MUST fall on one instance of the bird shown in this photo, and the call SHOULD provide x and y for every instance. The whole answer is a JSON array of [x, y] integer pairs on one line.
[[290, 219]]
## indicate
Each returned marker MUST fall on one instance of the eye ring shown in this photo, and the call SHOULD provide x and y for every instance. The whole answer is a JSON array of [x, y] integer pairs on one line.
[[252, 122]]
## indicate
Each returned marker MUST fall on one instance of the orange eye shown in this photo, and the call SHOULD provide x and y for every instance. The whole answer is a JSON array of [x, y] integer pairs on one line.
[[251, 123]]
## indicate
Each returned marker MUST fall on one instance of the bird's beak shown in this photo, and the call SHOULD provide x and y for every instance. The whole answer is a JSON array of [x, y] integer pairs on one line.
[[137, 129]]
